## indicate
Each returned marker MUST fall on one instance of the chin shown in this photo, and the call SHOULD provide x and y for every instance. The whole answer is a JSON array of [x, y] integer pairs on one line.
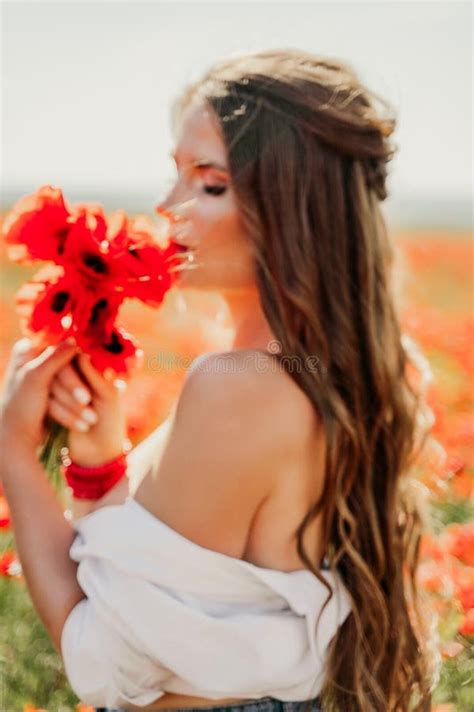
[[207, 281]]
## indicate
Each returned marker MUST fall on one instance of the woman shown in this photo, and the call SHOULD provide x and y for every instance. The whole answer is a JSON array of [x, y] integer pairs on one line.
[[299, 460]]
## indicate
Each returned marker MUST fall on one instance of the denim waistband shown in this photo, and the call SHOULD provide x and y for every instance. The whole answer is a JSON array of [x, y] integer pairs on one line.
[[263, 704]]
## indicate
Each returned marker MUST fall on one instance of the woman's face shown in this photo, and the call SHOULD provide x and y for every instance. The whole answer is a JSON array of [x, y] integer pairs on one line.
[[203, 197]]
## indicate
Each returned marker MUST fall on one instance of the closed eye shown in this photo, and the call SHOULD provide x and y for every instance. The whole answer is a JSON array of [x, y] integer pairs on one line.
[[201, 171], [214, 189]]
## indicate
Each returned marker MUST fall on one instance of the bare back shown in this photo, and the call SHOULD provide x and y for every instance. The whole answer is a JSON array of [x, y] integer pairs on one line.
[[271, 538]]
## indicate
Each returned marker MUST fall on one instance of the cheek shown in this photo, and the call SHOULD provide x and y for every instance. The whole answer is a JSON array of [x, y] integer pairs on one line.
[[223, 248], [216, 223]]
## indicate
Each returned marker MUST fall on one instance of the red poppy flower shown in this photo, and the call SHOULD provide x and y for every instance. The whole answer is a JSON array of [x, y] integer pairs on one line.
[[460, 540], [42, 304], [9, 564], [53, 305], [4, 513], [149, 277], [467, 626], [37, 226], [87, 250], [119, 255], [100, 261], [115, 351], [143, 266]]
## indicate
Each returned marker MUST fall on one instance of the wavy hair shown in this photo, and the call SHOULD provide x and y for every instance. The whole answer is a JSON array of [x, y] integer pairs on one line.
[[308, 148]]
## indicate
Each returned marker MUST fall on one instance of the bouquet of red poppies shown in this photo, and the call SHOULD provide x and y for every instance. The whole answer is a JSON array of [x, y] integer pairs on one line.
[[93, 263]]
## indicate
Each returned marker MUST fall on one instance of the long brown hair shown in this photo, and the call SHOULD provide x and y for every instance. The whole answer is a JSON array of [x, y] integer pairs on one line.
[[308, 148]]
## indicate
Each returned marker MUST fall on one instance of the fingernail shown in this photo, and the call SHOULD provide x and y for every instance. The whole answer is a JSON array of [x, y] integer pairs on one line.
[[81, 395], [89, 416], [83, 427]]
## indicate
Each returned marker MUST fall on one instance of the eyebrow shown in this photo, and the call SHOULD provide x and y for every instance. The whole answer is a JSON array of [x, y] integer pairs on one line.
[[203, 163]]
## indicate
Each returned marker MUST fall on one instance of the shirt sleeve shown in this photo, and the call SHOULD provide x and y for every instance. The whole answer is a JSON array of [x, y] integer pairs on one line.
[[83, 658], [92, 653]]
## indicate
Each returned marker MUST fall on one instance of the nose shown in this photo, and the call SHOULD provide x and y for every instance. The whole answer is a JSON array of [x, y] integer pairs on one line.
[[165, 205], [175, 210], [172, 195]]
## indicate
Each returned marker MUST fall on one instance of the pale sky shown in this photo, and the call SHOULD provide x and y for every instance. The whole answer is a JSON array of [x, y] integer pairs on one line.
[[87, 86]]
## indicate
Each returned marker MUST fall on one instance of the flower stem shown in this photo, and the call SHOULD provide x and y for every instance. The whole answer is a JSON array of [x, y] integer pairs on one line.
[[50, 454]]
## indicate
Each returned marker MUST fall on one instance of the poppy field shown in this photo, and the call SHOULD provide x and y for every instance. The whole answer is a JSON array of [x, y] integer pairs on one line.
[[434, 293]]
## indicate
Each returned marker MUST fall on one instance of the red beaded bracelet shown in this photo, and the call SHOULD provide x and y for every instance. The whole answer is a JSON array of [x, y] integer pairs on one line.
[[93, 482]]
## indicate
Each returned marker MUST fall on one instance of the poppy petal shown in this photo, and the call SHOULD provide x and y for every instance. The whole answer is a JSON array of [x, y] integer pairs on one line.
[[37, 226]]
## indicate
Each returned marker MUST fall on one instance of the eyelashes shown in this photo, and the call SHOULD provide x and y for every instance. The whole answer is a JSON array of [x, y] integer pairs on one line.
[[214, 189]]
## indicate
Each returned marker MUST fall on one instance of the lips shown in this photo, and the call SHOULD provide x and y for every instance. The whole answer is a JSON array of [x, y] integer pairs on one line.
[[175, 227], [180, 247]]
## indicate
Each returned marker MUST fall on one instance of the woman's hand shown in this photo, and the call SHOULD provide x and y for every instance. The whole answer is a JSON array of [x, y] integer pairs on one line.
[[39, 384], [93, 409], [25, 393]]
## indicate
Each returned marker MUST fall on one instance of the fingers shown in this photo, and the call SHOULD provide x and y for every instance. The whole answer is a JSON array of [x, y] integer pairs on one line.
[[66, 417], [101, 385], [67, 401], [68, 397], [22, 346], [53, 363], [23, 350], [43, 367], [70, 381]]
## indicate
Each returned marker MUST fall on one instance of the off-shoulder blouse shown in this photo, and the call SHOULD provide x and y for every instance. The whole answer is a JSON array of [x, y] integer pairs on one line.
[[166, 615]]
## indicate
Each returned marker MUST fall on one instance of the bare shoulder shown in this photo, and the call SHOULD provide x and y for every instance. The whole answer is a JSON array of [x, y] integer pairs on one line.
[[251, 383], [232, 434], [246, 402]]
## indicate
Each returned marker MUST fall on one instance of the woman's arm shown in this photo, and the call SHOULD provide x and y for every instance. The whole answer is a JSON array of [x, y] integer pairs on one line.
[[116, 495], [43, 535], [43, 538]]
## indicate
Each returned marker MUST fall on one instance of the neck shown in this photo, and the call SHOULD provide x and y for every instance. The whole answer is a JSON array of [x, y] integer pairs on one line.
[[252, 329]]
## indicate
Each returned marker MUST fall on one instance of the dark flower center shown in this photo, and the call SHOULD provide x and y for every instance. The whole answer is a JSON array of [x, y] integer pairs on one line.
[[97, 309], [132, 252], [59, 301], [95, 263], [114, 346], [62, 235]]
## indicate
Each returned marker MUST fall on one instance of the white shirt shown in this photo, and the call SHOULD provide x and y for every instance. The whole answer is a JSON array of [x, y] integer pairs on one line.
[[164, 614]]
